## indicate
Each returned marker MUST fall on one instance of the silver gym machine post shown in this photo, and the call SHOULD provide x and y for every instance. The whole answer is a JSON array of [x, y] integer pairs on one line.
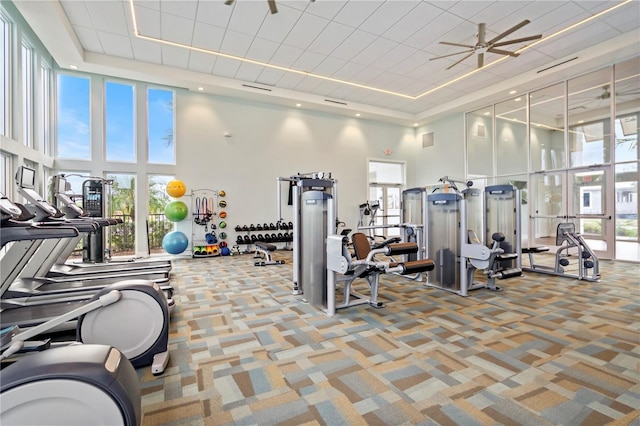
[[314, 199]]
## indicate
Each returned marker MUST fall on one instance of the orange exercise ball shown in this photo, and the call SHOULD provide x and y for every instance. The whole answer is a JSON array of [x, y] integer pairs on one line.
[[176, 188]]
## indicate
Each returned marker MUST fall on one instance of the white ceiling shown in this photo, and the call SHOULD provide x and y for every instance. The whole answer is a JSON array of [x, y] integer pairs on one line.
[[386, 45]]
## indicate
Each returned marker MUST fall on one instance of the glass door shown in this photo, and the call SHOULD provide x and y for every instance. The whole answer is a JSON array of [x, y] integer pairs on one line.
[[548, 207], [590, 208]]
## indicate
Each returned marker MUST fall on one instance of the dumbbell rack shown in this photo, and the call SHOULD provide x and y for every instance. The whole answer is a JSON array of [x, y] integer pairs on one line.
[[265, 233], [203, 223]]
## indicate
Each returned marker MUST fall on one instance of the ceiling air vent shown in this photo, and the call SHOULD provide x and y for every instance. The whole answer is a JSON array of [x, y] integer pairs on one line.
[[335, 102], [557, 65], [256, 87]]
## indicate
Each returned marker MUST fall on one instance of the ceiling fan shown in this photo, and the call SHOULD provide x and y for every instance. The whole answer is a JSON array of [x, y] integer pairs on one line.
[[272, 5], [483, 46], [606, 92]]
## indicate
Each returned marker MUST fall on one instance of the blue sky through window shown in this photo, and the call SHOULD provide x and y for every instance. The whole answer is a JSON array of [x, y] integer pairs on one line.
[[74, 138], [161, 132], [120, 125]]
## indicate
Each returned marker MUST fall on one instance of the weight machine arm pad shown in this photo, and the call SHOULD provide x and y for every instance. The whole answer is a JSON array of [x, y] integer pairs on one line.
[[401, 248], [416, 266]]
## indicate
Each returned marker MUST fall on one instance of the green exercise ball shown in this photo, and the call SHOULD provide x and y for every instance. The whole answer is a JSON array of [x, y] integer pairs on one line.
[[176, 211]]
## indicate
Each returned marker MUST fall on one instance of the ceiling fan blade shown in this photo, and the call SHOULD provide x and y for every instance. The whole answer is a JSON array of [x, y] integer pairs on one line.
[[480, 60], [457, 44], [518, 40], [509, 31], [451, 66], [272, 6], [228, 2], [503, 52], [451, 54]]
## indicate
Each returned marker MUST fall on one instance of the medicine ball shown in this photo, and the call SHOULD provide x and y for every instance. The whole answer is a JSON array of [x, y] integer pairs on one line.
[[222, 235], [222, 224], [222, 193], [225, 251], [222, 214], [222, 204]]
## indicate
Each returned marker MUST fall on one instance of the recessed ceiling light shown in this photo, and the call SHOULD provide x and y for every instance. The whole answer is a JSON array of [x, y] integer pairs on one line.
[[415, 124], [358, 115], [518, 99], [513, 92], [487, 113], [73, 67], [298, 105], [580, 121], [201, 88]]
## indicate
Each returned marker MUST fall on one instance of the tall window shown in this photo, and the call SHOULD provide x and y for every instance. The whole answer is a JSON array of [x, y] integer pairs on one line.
[[5, 174], [5, 91], [44, 123], [27, 95], [386, 180], [74, 138], [119, 122], [160, 119], [122, 206], [158, 224]]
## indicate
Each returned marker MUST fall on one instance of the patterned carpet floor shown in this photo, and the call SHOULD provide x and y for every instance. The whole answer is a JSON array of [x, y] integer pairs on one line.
[[544, 351]]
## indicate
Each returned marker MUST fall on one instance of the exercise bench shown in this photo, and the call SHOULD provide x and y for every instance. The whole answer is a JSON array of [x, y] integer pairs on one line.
[[263, 251]]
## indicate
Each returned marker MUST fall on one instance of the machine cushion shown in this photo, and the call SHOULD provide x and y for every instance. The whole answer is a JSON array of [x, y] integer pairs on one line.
[[417, 266], [538, 249], [265, 246], [402, 248]]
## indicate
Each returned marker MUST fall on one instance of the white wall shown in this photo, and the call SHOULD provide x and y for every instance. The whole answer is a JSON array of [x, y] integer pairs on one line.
[[268, 142], [445, 157]]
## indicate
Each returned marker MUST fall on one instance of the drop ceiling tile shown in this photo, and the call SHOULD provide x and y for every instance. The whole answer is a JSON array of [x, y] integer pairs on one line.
[[175, 57], [148, 21], [88, 39], [369, 76], [262, 50], [398, 54], [330, 38], [326, 9], [286, 56], [375, 52], [558, 19], [275, 27], [248, 72], [201, 62], [176, 28], [353, 45], [108, 16], [308, 84], [326, 87], [151, 4], [246, 17], [468, 9], [305, 31], [349, 70], [308, 61], [77, 13], [623, 19], [146, 51], [501, 14], [577, 39], [236, 44], [300, 5], [354, 13], [412, 62], [290, 80], [183, 8], [207, 36], [387, 15], [214, 13], [420, 17], [329, 66], [225, 67], [433, 32], [115, 45]]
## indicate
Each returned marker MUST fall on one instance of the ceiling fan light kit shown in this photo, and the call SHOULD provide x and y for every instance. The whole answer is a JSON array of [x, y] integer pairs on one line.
[[482, 46]]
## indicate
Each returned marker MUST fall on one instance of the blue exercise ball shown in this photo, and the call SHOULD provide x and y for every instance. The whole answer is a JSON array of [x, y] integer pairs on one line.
[[175, 242]]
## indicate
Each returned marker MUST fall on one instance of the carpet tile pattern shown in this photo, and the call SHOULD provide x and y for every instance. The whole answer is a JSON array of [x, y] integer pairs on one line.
[[544, 351]]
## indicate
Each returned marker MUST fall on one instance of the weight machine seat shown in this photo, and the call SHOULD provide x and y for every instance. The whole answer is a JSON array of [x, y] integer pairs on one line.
[[265, 246], [362, 248]]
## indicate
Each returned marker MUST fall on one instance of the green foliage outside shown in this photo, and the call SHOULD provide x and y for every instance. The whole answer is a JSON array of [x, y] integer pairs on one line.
[[123, 207]]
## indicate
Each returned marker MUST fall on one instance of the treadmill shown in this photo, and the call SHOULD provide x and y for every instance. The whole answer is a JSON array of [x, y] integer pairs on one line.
[[32, 309], [49, 260]]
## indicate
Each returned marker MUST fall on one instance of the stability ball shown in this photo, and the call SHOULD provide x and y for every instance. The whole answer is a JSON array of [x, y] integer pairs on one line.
[[175, 242], [176, 188], [176, 211]]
